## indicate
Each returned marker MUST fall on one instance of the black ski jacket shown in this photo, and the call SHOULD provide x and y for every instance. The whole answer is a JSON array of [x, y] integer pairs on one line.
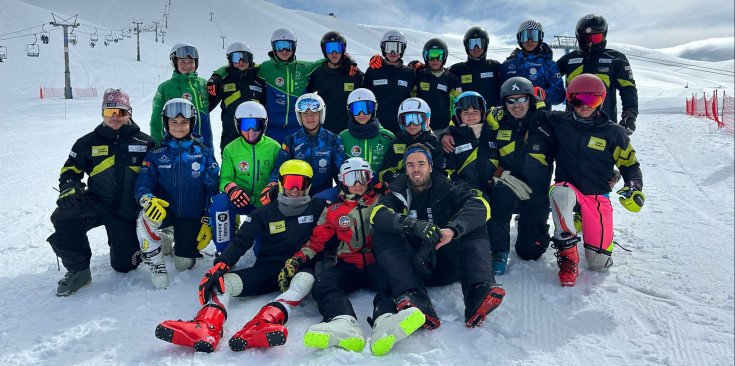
[[482, 76], [334, 86], [391, 86], [439, 92]]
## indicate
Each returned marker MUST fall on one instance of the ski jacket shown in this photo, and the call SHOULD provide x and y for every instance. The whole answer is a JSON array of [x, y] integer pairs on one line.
[[587, 154], [613, 68], [474, 160], [391, 86], [538, 67], [373, 149], [192, 88], [112, 161], [482, 76], [229, 87], [284, 83], [439, 92], [182, 173], [281, 235], [444, 204], [334, 86], [349, 221], [249, 166], [392, 165], [324, 152]]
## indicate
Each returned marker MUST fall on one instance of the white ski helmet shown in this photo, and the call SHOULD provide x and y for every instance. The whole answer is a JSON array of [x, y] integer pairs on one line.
[[283, 34], [239, 47], [351, 169], [415, 106], [179, 106], [311, 101], [393, 36], [361, 94], [183, 50], [251, 109]]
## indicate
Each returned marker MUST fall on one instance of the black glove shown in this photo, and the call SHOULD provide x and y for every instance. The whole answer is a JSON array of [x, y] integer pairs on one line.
[[424, 230], [213, 280], [288, 271], [627, 120], [425, 258], [71, 195]]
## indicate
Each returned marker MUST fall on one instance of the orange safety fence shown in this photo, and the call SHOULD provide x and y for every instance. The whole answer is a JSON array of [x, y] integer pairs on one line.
[[59, 92], [718, 109]]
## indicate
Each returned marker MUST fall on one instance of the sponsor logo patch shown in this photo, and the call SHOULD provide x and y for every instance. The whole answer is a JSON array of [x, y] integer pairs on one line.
[[137, 148], [99, 150], [466, 79], [486, 75], [380, 82], [596, 143], [243, 166], [349, 87], [575, 60], [276, 227], [462, 148], [504, 135], [306, 219], [344, 221], [403, 83]]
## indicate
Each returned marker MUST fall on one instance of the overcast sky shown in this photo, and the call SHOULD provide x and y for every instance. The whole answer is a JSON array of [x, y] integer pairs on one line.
[[648, 23]]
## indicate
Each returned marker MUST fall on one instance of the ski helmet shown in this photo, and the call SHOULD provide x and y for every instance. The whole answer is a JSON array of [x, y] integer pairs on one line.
[[284, 38], [333, 36], [183, 50], [298, 168], [354, 170], [247, 54], [518, 85], [591, 28], [254, 114], [435, 44], [587, 84], [478, 37], [361, 100], [311, 101], [533, 30], [414, 110], [179, 106], [390, 37], [469, 99]]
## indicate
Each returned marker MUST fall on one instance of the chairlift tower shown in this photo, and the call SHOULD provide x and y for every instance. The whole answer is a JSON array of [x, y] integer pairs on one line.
[[566, 43], [66, 23]]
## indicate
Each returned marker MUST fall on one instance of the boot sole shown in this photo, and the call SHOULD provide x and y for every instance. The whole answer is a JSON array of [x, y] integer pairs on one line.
[[273, 339], [490, 303], [430, 322], [73, 292], [167, 334], [408, 325], [321, 340]]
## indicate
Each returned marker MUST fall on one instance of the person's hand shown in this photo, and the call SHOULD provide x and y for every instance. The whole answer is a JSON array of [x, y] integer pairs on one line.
[[376, 62], [447, 236], [416, 65], [627, 120], [70, 196], [448, 143], [520, 188], [213, 280], [213, 85], [205, 234], [265, 194], [539, 92], [290, 267], [422, 229], [237, 195], [631, 196], [154, 208]]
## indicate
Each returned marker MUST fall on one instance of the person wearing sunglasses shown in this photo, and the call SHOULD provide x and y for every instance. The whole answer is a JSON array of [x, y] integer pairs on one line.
[[435, 85], [335, 80], [286, 78], [533, 60], [184, 83], [233, 84], [110, 156], [175, 186], [593, 57], [284, 226], [414, 119], [589, 148], [479, 73], [389, 79]]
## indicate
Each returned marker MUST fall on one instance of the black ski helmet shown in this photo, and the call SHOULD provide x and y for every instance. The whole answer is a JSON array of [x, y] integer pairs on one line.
[[588, 25], [332, 36], [434, 44], [476, 32], [518, 85]]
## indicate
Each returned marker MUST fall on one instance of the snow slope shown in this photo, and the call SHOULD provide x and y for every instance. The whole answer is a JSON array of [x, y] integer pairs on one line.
[[669, 301]]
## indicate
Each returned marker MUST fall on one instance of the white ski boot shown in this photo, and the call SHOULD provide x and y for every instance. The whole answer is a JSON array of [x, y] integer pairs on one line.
[[343, 331], [391, 328]]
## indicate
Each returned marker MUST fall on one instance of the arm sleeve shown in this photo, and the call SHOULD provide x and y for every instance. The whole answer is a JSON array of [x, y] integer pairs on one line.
[[156, 122], [214, 85], [76, 164], [283, 154], [323, 231], [211, 183], [473, 213], [145, 183], [338, 151], [555, 93], [625, 160], [227, 170], [384, 216], [244, 238], [626, 85]]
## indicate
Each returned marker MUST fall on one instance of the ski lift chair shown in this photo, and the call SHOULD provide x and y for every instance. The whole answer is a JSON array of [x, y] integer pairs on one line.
[[45, 36], [32, 50], [3, 53], [73, 39]]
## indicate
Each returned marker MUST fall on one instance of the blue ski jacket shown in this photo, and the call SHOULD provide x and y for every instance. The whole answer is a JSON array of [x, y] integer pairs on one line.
[[540, 68]]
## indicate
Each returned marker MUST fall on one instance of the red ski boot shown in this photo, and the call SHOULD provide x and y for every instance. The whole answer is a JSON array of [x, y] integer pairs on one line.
[[481, 300], [264, 330], [567, 259], [203, 333]]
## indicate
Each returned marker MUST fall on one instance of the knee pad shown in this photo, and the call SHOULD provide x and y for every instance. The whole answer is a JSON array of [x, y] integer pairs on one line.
[[182, 263], [149, 234], [233, 284], [598, 260]]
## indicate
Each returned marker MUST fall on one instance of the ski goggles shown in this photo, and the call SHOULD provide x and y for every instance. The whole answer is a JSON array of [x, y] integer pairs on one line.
[[593, 100], [395, 47], [186, 51], [110, 111], [476, 42], [331, 47], [279, 46], [364, 106], [413, 118], [519, 100], [239, 56], [356, 176], [172, 110], [532, 34], [308, 103], [596, 38], [434, 54], [256, 124], [468, 101], [291, 181]]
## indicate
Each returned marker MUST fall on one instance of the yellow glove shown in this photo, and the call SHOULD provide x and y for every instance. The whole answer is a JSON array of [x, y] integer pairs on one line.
[[205, 234], [154, 208], [287, 273]]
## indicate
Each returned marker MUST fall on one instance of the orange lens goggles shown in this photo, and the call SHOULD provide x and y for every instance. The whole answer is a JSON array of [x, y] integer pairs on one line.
[[110, 111]]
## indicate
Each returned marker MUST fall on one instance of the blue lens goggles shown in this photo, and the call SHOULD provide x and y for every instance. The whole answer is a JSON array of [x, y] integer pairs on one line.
[[532, 34], [408, 119], [238, 56], [279, 46], [331, 47], [186, 51], [172, 110], [364, 106], [247, 123], [476, 42], [308, 103]]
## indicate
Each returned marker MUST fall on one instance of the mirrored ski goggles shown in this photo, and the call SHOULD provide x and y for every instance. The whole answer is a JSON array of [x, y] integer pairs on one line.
[[591, 38], [396, 47], [476, 42], [292, 181], [468, 101], [519, 100], [413, 118], [243, 56], [172, 110], [247, 123], [279, 46], [593, 100], [434, 54], [364, 106], [308, 103], [356, 176], [110, 111], [331, 47], [186, 51], [526, 34]]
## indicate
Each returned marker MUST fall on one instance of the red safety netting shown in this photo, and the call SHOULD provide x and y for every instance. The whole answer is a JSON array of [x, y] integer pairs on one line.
[[75, 92], [718, 109]]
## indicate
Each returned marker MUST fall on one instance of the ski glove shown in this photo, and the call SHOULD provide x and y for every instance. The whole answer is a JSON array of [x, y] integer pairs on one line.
[[627, 120], [213, 280], [266, 194], [425, 259], [422, 229], [376, 62], [205, 233], [289, 270], [539, 92], [237, 195], [154, 208], [521, 189], [631, 196], [416, 65], [69, 197], [213, 85]]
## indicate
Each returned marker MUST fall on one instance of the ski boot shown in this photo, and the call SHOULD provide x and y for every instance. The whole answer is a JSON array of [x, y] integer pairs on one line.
[[599, 260], [73, 281], [390, 328], [155, 262], [418, 298], [203, 333], [481, 300], [567, 258], [500, 262], [342, 331], [264, 330]]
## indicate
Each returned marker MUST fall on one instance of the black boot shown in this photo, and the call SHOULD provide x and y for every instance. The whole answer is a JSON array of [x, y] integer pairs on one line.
[[418, 298]]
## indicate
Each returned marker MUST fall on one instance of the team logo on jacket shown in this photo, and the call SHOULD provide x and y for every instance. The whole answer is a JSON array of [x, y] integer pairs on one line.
[[99, 150], [344, 221], [356, 151], [195, 167], [280, 81], [186, 96], [243, 166], [276, 227], [308, 219], [596, 143]]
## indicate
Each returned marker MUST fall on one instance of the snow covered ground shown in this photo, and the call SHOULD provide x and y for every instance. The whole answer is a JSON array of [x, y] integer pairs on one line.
[[669, 301]]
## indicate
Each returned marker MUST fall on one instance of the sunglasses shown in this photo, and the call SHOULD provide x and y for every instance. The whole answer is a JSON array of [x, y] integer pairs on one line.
[[434, 54], [238, 56], [172, 110], [186, 51], [357, 176], [476, 42], [110, 111], [596, 38], [396, 47], [247, 123], [593, 100], [408, 119], [364, 106], [532, 34], [519, 100], [279, 46], [331, 47], [291, 181], [308, 103]]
